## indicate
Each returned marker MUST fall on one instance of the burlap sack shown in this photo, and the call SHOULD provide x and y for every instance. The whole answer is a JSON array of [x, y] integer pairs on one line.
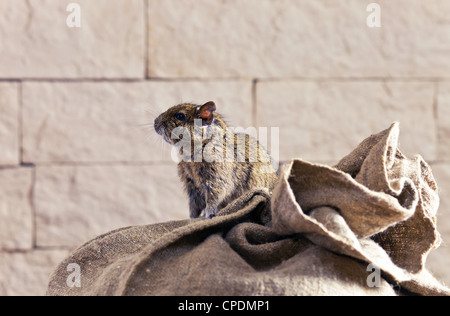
[[324, 231]]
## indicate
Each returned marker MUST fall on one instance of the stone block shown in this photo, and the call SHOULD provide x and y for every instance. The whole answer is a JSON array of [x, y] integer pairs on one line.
[[443, 113], [112, 121], [75, 204], [297, 39], [9, 124], [27, 273], [324, 121], [36, 42], [16, 213]]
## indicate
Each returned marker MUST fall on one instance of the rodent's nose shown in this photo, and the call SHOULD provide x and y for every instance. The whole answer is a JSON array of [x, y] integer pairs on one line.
[[157, 125]]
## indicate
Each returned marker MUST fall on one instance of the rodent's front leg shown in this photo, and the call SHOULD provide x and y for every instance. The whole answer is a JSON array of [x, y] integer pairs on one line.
[[197, 202], [213, 199], [210, 211]]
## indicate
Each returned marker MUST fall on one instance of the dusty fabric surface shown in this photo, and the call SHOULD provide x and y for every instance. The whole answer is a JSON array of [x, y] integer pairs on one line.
[[321, 232]]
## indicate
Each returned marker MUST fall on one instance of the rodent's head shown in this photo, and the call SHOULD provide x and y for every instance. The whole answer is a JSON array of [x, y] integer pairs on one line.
[[183, 115]]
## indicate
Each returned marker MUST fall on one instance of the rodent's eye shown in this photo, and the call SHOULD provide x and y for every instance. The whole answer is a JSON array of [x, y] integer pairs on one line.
[[180, 116]]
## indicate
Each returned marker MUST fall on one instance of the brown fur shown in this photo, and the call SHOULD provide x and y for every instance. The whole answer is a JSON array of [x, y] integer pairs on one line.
[[212, 185]]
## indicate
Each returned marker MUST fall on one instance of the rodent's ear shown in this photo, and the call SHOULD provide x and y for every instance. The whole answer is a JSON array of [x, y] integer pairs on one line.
[[206, 112]]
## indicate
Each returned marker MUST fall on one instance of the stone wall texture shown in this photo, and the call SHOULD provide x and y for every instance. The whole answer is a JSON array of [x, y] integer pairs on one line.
[[79, 157]]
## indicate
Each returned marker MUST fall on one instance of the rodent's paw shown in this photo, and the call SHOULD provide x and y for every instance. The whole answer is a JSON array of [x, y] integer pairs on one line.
[[211, 216], [209, 212]]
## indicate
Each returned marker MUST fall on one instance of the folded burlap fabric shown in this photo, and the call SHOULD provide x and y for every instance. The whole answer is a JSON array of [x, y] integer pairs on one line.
[[363, 227]]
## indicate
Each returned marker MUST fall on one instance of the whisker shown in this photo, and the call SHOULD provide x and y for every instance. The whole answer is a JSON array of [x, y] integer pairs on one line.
[[152, 112], [146, 125]]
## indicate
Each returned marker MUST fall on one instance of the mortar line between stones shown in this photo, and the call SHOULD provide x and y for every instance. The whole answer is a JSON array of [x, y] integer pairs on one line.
[[440, 162], [228, 79], [8, 80], [355, 79], [39, 248], [126, 80], [32, 199], [100, 164], [20, 122]]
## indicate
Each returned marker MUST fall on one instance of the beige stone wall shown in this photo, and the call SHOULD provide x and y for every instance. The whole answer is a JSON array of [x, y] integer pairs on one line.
[[78, 158]]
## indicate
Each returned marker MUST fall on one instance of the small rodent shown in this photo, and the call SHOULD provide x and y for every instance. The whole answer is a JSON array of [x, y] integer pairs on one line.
[[212, 185]]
